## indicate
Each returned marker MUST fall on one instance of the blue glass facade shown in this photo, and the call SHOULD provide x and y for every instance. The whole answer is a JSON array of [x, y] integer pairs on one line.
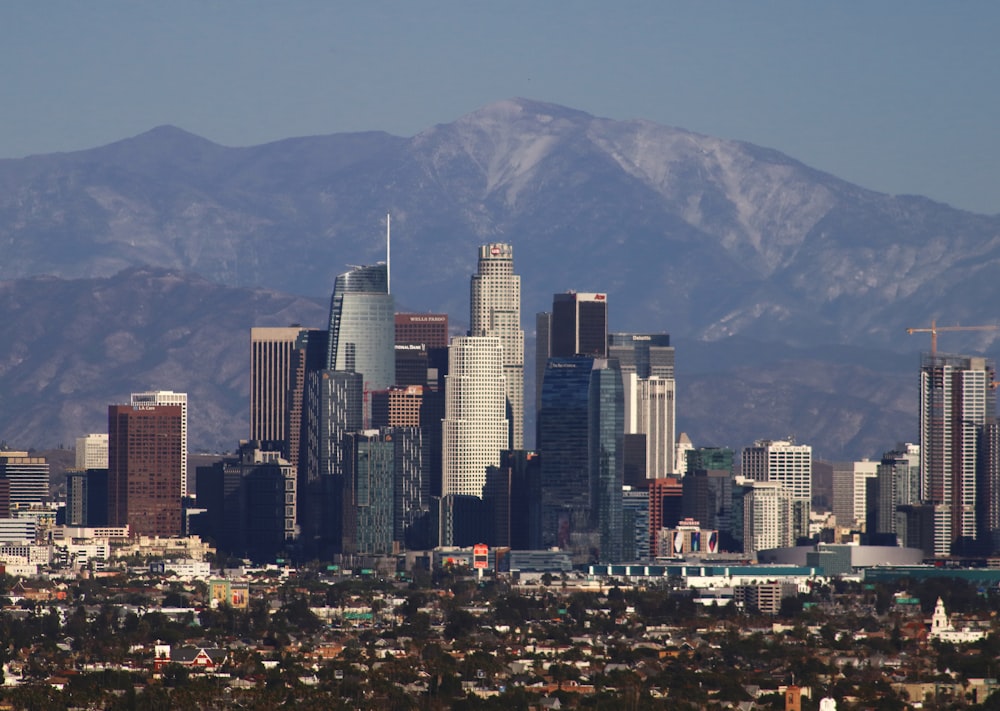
[[411, 488], [563, 423], [607, 428], [368, 512]]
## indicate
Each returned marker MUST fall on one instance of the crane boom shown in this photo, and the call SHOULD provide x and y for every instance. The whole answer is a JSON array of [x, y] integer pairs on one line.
[[934, 330]]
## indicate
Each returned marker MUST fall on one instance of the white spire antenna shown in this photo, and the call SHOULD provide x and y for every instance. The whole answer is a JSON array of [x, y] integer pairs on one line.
[[388, 263]]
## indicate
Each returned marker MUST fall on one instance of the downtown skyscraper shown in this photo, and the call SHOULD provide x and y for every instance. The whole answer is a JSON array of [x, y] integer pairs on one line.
[[272, 358], [475, 427], [362, 333], [169, 397], [647, 366], [956, 404], [577, 325], [580, 438], [495, 311], [144, 468]]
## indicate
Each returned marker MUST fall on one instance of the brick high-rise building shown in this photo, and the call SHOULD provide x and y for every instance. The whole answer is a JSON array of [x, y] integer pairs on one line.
[[665, 505], [169, 397], [144, 468], [397, 407], [430, 330]]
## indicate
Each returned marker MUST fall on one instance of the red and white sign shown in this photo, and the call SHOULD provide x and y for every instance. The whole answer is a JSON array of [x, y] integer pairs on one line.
[[480, 556]]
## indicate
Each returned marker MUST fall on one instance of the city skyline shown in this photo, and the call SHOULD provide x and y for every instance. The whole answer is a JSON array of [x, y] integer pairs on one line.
[[365, 491]]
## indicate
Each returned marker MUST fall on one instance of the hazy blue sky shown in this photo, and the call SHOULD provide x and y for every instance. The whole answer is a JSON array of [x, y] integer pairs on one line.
[[902, 97]]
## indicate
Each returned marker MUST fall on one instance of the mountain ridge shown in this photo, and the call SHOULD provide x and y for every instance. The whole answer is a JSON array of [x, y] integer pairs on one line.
[[714, 240]]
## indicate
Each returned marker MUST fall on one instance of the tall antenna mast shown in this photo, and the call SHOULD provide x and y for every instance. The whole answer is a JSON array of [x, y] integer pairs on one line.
[[388, 264]]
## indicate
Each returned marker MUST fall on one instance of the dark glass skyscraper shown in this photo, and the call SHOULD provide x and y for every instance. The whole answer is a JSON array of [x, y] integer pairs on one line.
[[579, 325], [410, 486], [250, 502], [369, 494], [333, 410], [563, 424], [719, 458], [645, 354], [607, 416]]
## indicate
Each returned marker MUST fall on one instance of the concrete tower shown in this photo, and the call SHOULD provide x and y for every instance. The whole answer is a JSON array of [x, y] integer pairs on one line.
[[767, 517], [495, 311], [272, 355], [92, 451]]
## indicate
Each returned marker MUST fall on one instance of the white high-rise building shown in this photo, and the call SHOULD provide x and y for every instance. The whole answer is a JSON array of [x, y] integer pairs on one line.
[[650, 410], [475, 428], [782, 461], [684, 445], [92, 451], [956, 401], [169, 397], [767, 517], [850, 492], [495, 311], [863, 471], [647, 365], [790, 465]]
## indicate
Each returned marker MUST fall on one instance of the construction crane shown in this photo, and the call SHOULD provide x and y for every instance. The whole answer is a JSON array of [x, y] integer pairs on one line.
[[934, 330]]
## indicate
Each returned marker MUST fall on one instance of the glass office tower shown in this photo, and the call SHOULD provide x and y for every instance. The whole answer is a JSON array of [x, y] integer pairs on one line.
[[562, 440], [363, 326], [607, 470]]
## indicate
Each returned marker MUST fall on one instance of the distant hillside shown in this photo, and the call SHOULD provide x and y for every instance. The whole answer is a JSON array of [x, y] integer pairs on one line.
[[697, 235], [75, 347]]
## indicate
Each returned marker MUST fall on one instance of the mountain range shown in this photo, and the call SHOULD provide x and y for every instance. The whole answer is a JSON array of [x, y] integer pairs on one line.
[[787, 291]]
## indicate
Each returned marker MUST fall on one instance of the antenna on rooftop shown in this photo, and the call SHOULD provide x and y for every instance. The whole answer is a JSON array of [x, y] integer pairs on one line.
[[388, 264]]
